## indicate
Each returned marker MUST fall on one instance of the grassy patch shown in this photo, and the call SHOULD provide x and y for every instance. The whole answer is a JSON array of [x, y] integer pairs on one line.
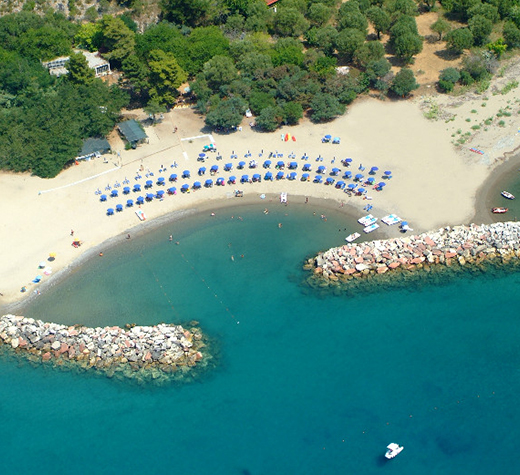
[[502, 123], [475, 127], [473, 111], [509, 87]]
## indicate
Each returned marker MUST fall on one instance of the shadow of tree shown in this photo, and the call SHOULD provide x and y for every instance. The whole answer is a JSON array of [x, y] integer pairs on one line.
[[447, 55]]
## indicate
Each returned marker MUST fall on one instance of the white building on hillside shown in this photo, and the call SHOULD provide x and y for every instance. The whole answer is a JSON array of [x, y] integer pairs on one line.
[[94, 60]]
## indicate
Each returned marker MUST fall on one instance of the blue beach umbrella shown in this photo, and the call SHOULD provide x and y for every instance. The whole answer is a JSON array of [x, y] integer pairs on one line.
[[228, 167], [318, 179], [119, 208], [173, 177], [351, 186], [220, 181], [293, 165], [172, 190], [279, 175], [244, 179], [139, 200], [197, 185], [335, 171], [103, 198], [208, 183], [305, 177], [388, 172], [359, 176], [330, 180], [321, 169], [373, 170], [371, 180], [186, 174], [256, 177], [129, 203], [160, 193], [232, 179], [114, 193], [306, 167], [148, 184], [268, 176], [160, 180], [292, 176], [214, 168], [328, 136], [185, 188], [348, 160], [137, 187], [340, 184], [267, 164], [126, 190], [280, 164], [110, 211], [361, 190], [381, 184], [347, 175], [202, 156], [241, 165], [202, 170], [149, 196]]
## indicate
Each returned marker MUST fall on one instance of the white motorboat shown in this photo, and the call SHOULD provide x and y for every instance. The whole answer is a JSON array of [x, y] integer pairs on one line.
[[352, 237], [508, 195], [393, 450]]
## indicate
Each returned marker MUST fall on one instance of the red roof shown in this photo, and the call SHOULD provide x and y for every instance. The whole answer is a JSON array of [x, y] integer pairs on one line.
[[270, 2]]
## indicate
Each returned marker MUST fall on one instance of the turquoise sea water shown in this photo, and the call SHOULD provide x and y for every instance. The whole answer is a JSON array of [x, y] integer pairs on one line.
[[304, 384]]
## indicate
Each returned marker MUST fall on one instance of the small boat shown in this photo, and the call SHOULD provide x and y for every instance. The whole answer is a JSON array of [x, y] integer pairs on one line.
[[367, 220], [391, 219], [140, 214], [393, 450], [508, 195], [283, 198], [499, 210], [371, 228], [352, 237]]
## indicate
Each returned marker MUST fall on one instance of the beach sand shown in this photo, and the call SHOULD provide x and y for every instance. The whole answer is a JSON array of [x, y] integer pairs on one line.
[[432, 183]]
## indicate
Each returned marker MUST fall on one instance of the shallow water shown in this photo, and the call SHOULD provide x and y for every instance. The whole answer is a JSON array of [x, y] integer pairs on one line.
[[304, 384]]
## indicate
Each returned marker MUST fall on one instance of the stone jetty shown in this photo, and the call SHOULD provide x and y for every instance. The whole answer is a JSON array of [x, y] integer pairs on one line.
[[142, 353], [448, 250]]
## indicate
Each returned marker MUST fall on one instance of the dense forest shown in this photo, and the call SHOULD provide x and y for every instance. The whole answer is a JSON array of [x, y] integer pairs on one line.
[[280, 63]]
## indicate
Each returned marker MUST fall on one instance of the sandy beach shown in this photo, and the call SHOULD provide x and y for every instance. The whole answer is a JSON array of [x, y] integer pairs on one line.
[[433, 183]]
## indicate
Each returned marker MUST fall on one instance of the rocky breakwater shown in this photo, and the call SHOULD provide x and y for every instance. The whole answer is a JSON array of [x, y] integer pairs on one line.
[[438, 255], [141, 353]]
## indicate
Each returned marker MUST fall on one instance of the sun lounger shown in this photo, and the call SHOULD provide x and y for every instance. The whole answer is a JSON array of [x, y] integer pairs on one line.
[[365, 219]]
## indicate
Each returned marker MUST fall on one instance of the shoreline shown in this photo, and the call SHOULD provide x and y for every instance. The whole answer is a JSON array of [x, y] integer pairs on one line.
[[429, 176]]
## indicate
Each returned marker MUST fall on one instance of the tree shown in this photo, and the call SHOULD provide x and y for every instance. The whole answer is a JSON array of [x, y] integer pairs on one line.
[[402, 7], [511, 34], [448, 78], [118, 41], [497, 47], [251, 63], [440, 26], [79, 70], [292, 112], [324, 38], [182, 12], [378, 69], [290, 22], [404, 82], [202, 45], [44, 43], [219, 71], [319, 14], [460, 39], [287, 51], [480, 27], [369, 51], [153, 108], [353, 19], [227, 113], [380, 20], [165, 77], [259, 100], [408, 45], [88, 36], [487, 10], [349, 41], [270, 118], [325, 107], [136, 74]]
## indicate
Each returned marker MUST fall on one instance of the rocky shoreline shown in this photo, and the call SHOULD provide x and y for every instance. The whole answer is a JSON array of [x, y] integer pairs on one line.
[[157, 353], [391, 262]]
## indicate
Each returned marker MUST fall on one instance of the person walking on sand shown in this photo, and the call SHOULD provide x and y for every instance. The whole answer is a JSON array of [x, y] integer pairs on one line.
[[72, 232]]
